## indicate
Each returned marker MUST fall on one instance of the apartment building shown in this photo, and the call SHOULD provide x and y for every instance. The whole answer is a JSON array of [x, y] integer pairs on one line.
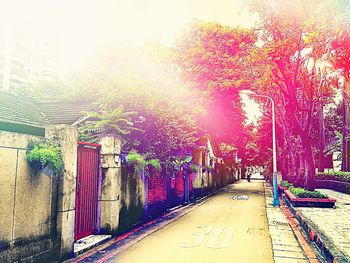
[[25, 57]]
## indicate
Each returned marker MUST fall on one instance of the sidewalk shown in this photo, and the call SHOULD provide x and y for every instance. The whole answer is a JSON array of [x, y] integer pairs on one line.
[[285, 245], [329, 228]]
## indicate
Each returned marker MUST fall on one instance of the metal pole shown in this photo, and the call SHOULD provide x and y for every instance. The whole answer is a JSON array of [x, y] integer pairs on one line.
[[275, 190], [274, 158]]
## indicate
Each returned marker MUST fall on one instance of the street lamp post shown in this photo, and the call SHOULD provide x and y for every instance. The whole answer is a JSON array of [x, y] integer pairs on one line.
[[274, 159]]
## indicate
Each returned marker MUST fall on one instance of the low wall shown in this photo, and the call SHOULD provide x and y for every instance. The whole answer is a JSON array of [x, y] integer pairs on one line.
[[26, 218], [333, 185], [132, 199]]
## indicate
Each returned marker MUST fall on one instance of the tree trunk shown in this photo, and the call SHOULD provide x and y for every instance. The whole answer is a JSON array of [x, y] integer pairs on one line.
[[346, 126], [310, 173], [322, 137]]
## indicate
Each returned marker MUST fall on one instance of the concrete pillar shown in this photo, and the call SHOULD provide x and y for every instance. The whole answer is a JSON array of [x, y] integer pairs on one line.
[[64, 238], [111, 184]]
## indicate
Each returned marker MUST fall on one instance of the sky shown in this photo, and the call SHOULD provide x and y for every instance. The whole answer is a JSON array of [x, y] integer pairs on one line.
[[82, 28]]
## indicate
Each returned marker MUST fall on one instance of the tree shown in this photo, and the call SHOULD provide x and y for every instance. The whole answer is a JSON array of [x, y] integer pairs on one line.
[[141, 81], [211, 59], [288, 66], [340, 50]]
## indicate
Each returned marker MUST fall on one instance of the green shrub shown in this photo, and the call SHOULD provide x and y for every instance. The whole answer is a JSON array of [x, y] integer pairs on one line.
[[45, 155], [285, 184], [155, 163], [136, 160], [209, 168], [302, 193], [336, 176], [193, 168]]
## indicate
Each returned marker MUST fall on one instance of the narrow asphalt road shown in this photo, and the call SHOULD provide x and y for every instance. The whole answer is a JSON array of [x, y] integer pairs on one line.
[[230, 227]]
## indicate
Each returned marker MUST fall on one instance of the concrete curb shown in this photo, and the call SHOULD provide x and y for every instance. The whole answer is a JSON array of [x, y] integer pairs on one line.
[[324, 245]]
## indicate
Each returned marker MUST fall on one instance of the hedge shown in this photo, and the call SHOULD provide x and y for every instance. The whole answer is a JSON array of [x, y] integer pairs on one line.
[[336, 176], [302, 193]]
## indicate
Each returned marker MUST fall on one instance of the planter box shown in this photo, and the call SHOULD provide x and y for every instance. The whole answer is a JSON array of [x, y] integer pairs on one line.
[[281, 189], [309, 202]]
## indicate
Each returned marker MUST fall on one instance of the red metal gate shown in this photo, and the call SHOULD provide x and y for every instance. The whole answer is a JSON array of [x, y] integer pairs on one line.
[[86, 200]]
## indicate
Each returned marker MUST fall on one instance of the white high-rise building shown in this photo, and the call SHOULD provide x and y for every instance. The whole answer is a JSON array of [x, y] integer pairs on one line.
[[25, 58]]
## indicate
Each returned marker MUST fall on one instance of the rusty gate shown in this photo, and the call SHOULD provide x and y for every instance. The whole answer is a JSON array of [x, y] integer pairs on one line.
[[86, 201]]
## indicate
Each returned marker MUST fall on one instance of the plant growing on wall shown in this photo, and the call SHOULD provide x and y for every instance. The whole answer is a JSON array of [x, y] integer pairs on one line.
[[179, 163], [136, 161], [155, 164], [46, 154], [107, 120], [193, 168], [209, 168]]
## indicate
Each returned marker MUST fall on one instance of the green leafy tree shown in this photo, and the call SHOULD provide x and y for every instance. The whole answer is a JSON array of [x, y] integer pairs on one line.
[[108, 121], [289, 66], [212, 60]]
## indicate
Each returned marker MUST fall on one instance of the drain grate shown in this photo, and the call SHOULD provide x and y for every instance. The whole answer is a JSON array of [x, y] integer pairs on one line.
[[280, 223]]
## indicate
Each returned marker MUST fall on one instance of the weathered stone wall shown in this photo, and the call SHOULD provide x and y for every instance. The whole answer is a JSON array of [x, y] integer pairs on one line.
[[123, 194], [25, 204], [110, 197], [64, 205], [36, 208], [133, 199]]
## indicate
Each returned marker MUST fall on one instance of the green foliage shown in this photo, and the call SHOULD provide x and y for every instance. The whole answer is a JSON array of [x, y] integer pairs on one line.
[[142, 79], [136, 160], [139, 162], [286, 184], [178, 162], [108, 120], [155, 163], [209, 168], [337, 147], [337, 176], [302, 193], [212, 60], [227, 148], [193, 168], [45, 155]]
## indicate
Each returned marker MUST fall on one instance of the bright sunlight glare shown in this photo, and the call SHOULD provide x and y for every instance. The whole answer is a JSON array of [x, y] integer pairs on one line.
[[82, 28], [251, 109]]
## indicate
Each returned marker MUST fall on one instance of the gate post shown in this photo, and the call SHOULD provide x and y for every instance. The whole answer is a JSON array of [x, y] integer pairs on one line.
[[111, 184], [64, 205]]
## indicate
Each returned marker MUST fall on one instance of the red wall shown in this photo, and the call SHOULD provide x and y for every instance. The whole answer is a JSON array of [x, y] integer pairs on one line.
[[157, 190]]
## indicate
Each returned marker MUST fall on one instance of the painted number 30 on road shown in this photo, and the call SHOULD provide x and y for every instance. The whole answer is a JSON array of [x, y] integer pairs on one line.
[[213, 237]]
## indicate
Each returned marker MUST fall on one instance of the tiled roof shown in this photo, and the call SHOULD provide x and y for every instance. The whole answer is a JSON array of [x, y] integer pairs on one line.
[[65, 112], [20, 110]]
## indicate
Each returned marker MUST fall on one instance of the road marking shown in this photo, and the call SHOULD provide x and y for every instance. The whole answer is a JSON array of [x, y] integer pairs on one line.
[[200, 237], [212, 243], [214, 237], [239, 197]]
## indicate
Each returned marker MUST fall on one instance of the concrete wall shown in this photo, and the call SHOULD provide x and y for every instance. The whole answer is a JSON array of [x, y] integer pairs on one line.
[[36, 208], [123, 194], [25, 204], [64, 204], [133, 199], [110, 198]]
